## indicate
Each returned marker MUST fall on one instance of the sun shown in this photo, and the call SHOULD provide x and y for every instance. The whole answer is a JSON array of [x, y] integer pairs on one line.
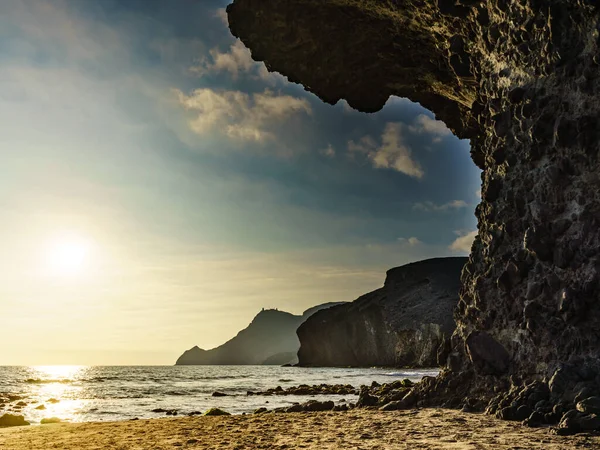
[[68, 254]]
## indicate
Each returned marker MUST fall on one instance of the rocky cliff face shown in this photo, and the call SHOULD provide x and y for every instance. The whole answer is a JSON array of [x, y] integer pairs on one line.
[[269, 339], [403, 324], [521, 79]]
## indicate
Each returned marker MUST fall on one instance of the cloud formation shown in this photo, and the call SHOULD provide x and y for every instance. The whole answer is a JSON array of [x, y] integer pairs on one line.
[[241, 116], [432, 207], [221, 14], [464, 242], [425, 125], [411, 241], [329, 151], [236, 61], [391, 152]]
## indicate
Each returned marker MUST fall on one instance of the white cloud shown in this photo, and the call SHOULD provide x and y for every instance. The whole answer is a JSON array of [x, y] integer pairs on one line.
[[221, 14], [329, 151], [411, 241], [431, 206], [236, 60], [239, 115], [426, 125], [391, 153], [478, 193], [464, 242]]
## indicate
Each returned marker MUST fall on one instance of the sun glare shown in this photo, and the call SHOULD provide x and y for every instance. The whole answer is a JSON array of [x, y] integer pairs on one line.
[[68, 255]]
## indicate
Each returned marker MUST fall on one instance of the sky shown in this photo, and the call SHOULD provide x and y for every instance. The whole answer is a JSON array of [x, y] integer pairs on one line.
[[158, 187]]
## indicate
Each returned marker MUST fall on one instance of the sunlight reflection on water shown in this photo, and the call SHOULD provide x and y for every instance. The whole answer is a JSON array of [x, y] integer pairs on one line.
[[83, 394]]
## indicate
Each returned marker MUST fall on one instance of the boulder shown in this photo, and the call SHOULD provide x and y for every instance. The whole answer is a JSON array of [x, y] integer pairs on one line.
[[219, 394], [590, 405], [50, 420], [10, 420], [216, 412]]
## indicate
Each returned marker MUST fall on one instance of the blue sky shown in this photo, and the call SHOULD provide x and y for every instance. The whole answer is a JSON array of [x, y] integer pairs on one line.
[[206, 187]]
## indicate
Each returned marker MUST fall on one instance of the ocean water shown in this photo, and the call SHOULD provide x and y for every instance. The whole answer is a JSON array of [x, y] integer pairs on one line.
[[90, 394]]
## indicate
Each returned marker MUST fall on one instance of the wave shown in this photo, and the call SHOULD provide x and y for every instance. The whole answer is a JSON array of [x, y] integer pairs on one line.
[[47, 381], [413, 374]]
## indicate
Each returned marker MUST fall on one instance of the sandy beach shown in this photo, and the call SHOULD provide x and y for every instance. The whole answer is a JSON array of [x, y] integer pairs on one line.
[[417, 429]]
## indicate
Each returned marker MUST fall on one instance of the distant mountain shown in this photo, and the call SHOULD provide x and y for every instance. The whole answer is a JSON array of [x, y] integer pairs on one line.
[[269, 339]]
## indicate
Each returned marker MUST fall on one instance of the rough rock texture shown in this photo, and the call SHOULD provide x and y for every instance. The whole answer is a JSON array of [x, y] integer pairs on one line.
[[520, 78], [403, 324], [269, 339]]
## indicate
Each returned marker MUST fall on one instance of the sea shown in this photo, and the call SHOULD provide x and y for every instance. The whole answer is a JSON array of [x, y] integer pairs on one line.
[[96, 394]]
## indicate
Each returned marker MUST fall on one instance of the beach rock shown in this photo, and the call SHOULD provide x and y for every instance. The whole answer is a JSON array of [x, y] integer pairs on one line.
[[50, 420], [53, 401], [366, 399], [402, 324], [294, 408], [11, 420], [314, 405], [219, 394], [304, 389], [216, 412], [520, 80], [589, 405], [408, 401], [575, 422], [260, 411], [159, 410], [270, 339], [41, 407]]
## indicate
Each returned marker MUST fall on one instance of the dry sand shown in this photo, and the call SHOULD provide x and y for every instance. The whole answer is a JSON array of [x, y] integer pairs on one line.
[[360, 429]]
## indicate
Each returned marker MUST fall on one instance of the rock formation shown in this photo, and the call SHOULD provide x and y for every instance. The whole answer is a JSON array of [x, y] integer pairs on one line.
[[269, 339], [403, 324], [520, 78]]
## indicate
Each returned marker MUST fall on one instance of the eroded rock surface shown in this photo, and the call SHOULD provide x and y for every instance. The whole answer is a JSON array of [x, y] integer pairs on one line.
[[520, 78], [406, 323]]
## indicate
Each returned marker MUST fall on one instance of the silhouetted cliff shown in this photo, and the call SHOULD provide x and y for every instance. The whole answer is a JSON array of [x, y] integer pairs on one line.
[[404, 323], [520, 79], [269, 339]]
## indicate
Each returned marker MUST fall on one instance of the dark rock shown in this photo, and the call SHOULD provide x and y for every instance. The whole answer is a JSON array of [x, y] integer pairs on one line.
[[590, 405], [313, 405], [295, 408], [10, 420], [260, 411], [532, 120], [486, 354], [536, 419], [575, 421], [401, 324], [366, 399], [216, 412], [219, 394]]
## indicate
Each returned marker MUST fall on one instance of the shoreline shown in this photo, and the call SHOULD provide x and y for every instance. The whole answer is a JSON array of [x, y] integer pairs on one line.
[[429, 428]]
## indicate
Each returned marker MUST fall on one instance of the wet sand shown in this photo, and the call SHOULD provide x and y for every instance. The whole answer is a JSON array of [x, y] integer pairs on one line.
[[357, 429]]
